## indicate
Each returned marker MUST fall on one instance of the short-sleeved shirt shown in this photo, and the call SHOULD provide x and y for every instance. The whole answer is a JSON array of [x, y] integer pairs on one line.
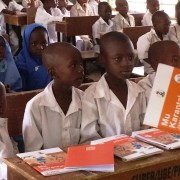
[[103, 115], [147, 19], [174, 33], [120, 22], [46, 126]]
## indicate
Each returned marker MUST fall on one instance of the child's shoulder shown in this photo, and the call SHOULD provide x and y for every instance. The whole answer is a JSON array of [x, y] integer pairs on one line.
[[135, 86]]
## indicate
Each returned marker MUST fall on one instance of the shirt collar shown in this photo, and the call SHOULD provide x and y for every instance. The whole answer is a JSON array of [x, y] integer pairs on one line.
[[103, 90], [49, 100], [165, 37], [79, 6], [103, 22], [3, 122]]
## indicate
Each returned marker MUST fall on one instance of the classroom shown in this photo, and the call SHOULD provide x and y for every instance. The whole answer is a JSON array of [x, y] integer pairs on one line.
[[87, 89]]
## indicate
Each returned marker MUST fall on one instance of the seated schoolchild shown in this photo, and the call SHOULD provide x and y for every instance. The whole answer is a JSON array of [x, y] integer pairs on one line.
[[174, 30], [29, 60], [53, 117], [62, 5], [103, 24], [6, 147], [47, 14], [10, 7], [152, 7], [82, 8], [166, 52], [114, 105], [123, 19], [94, 6], [28, 3], [159, 32], [9, 74]]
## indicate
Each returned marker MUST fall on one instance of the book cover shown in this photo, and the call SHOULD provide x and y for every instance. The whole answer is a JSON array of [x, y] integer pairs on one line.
[[91, 157], [163, 111], [159, 138], [129, 148], [47, 162]]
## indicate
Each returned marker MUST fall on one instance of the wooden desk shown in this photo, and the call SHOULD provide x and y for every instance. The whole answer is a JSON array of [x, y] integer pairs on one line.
[[164, 166], [75, 26]]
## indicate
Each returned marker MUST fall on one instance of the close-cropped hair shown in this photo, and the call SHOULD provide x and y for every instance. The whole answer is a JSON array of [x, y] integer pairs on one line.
[[101, 4], [158, 15], [113, 36]]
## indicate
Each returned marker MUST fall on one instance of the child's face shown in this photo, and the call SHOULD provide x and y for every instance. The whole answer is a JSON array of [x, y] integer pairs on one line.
[[69, 71], [62, 3], [50, 4], [2, 49], [38, 41], [162, 26], [2, 101], [122, 7], [118, 59], [153, 7], [105, 12]]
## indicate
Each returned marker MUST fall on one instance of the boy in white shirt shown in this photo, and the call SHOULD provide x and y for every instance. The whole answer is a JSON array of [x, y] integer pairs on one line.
[[94, 6], [62, 5], [114, 105], [81, 8], [47, 14], [174, 30], [6, 147], [27, 3], [166, 52], [123, 19], [159, 32], [152, 6], [103, 24], [53, 117]]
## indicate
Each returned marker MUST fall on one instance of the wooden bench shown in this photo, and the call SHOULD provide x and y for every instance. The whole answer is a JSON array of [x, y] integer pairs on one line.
[[135, 32], [75, 26], [138, 18], [16, 103]]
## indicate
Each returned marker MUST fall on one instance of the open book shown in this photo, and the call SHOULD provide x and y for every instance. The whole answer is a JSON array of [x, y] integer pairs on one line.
[[163, 111], [129, 148], [91, 157], [159, 138], [47, 162]]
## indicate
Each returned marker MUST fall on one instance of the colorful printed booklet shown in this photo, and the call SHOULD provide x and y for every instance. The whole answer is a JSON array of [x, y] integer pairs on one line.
[[159, 138], [129, 148], [163, 111], [48, 162], [91, 157]]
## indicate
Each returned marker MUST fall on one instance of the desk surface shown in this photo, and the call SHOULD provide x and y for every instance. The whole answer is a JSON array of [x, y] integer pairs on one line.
[[18, 19], [162, 166]]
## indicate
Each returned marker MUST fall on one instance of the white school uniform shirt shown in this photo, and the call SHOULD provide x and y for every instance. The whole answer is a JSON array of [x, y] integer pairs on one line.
[[46, 126], [147, 19], [145, 41], [65, 12], [147, 83], [103, 115], [6, 147], [77, 10], [14, 6], [94, 6], [36, 2], [100, 26], [120, 22], [174, 32], [48, 20]]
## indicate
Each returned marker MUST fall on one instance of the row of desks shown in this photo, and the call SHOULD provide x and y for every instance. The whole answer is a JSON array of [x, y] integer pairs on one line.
[[165, 166]]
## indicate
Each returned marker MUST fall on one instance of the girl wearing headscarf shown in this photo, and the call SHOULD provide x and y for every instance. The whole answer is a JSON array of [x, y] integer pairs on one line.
[[29, 62], [9, 74]]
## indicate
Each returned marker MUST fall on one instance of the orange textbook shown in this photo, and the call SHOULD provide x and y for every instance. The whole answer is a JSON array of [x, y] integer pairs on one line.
[[47, 162], [163, 111], [159, 138], [129, 148], [91, 158]]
